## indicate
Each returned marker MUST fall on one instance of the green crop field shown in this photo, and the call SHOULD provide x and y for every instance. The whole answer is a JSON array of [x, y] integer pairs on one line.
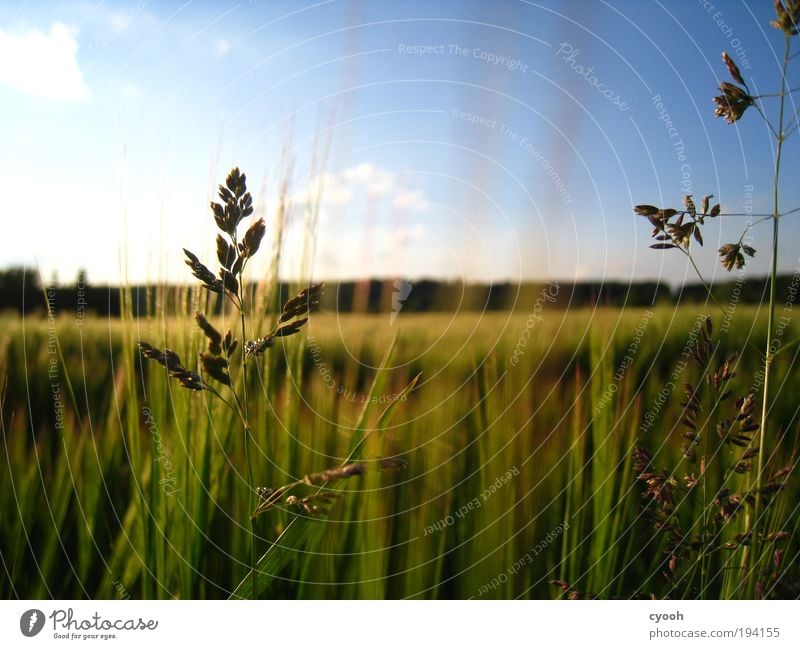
[[518, 440]]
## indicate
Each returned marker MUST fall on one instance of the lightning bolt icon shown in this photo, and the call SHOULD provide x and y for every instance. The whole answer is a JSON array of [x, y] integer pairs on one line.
[[402, 289], [32, 621]]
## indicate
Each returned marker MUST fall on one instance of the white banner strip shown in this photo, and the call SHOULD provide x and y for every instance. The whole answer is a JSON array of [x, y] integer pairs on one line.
[[397, 624]]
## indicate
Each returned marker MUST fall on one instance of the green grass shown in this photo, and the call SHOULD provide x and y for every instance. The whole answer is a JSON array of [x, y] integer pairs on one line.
[[85, 508]]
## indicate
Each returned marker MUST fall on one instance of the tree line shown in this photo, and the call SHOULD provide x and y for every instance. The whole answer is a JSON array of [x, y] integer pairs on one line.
[[22, 291]]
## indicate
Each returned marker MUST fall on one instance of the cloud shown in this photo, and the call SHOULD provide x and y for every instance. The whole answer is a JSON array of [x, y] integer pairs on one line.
[[393, 240], [410, 198], [43, 64], [223, 46], [365, 179], [129, 90], [393, 251], [119, 21], [346, 197]]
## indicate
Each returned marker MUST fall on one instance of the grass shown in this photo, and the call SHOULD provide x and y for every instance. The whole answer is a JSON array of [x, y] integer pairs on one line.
[[158, 503], [697, 536]]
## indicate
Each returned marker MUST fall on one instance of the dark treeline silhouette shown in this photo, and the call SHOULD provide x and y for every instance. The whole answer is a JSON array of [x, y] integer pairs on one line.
[[21, 291]]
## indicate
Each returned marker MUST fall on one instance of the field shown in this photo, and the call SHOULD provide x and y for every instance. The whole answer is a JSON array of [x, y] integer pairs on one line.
[[518, 439]]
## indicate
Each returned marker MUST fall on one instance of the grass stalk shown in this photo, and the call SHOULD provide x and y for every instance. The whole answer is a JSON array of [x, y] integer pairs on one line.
[[768, 353]]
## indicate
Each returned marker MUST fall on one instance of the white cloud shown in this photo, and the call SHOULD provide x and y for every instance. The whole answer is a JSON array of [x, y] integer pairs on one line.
[[391, 241], [366, 179], [346, 198], [410, 199], [332, 188], [119, 22], [376, 181], [399, 251], [223, 46], [43, 64], [128, 90]]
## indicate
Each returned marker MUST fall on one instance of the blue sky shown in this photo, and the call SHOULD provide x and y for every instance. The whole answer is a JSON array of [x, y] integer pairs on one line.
[[465, 140]]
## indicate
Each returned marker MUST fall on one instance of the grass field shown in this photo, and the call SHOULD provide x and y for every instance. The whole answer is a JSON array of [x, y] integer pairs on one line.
[[518, 438]]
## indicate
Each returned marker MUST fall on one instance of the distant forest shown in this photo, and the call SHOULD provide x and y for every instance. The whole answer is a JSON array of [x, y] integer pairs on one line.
[[21, 291]]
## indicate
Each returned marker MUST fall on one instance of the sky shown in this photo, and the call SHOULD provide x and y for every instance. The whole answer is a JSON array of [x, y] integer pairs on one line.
[[462, 140]]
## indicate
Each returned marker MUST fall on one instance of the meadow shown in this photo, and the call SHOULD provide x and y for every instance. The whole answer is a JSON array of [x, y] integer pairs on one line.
[[517, 439]]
